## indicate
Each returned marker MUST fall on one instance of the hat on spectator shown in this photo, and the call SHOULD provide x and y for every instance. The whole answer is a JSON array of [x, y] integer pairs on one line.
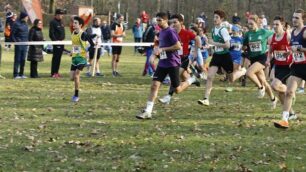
[[23, 15], [60, 11]]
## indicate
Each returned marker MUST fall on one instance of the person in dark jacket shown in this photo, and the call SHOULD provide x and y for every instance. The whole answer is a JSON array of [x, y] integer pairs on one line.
[[35, 54], [20, 33], [148, 36], [57, 33], [106, 35]]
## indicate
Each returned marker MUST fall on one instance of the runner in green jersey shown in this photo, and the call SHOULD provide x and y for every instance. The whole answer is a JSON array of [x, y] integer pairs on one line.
[[255, 41]]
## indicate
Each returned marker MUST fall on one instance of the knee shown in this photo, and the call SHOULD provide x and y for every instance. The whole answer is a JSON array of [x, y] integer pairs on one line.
[[289, 93], [154, 86], [249, 73], [210, 77]]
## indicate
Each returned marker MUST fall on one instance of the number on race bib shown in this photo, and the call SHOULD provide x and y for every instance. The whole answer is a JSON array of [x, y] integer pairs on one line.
[[219, 49], [280, 55], [163, 55], [180, 52], [255, 46], [298, 56]]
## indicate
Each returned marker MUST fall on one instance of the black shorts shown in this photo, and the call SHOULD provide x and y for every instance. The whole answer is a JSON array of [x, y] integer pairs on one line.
[[116, 49], [185, 62], [299, 71], [79, 67], [282, 72], [222, 60], [92, 53], [174, 72], [260, 59]]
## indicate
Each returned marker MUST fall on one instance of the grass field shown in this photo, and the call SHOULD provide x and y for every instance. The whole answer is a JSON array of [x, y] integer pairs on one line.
[[42, 130]]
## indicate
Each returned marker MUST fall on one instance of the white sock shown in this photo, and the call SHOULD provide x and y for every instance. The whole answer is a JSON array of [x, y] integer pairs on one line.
[[191, 80], [285, 116], [149, 107]]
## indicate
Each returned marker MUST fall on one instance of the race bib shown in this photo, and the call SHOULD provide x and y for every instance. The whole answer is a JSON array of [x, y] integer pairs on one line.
[[298, 56], [255, 46], [237, 47], [219, 49], [163, 55], [76, 49], [180, 52], [280, 55]]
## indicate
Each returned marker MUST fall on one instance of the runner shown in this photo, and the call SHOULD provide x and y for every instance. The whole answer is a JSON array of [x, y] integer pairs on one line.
[[221, 56], [255, 41], [280, 49], [78, 53], [185, 37], [298, 72], [169, 63]]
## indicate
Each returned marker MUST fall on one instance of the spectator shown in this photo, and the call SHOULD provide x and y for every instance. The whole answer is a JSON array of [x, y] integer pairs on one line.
[[236, 19], [144, 19], [35, 53], [117, 32], [264, 22], [106, 35], [137, 31], [95, 34], [57, 33], [1, 30], [148, 36], [20, 33]]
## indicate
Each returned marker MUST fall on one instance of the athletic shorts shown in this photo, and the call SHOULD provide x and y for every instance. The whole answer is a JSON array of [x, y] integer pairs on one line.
[[173, 72], [78, 62], [224, 61], [260, 59], [116, 49], [299, 71], [282, 72], [205, 55], [185, 62], [92, 53], [236, 59]]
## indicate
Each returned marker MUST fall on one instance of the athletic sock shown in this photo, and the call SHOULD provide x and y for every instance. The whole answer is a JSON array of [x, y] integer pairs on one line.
[[171, 91], [285, 115], [76, 93], [149, 107]]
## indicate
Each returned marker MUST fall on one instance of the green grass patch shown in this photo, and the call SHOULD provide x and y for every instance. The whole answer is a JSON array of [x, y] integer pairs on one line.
[[42, 130]]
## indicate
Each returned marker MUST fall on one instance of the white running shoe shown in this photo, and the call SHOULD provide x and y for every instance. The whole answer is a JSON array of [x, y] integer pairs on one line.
[[300, 90], [204, 102], [165, 100], [292, 116], [274, 103], [261, 92], [144, 115]]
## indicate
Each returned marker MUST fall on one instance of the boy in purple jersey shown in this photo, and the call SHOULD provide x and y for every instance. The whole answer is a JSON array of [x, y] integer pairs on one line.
[[169, 64]]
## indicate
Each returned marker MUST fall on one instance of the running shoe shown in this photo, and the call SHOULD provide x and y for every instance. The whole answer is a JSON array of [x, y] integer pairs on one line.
[[75, 98], [165, 100], [261, 92], [203, 102], [292, 116], [281, 124], [144, 115], [300, 90]]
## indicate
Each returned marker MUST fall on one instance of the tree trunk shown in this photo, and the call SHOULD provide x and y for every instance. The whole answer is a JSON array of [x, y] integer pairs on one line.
[[52, 6]]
